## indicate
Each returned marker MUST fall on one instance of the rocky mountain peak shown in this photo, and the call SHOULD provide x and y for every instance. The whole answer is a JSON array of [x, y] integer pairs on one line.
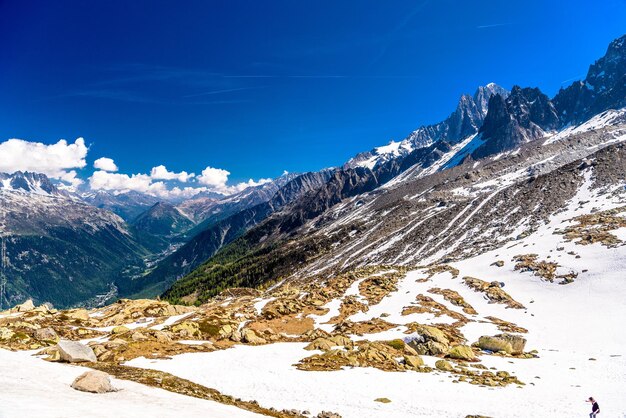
[[609, 69], [464, 122], [28, 182], [604, 87], [484, 93], [523, 116]]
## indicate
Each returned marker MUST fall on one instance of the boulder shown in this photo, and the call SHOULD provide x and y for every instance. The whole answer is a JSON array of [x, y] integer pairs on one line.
[[517, 342], [323, 344], [162, 337], [93, 381], [46, 334], [429, 341], [409, 351], [382, 400], [444, 366], [120, 329], [43, 309], [508, 343], [79, 314], [341, 340], [462, 352], [226, 331], [75, 352], [52, 353], [5, 333], [26, 306], [138, 336], [494, 344], [413, 361], [187, 329], [250, 337]]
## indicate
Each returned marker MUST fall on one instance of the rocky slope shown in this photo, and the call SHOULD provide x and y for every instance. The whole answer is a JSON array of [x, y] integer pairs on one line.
[[428, 203]]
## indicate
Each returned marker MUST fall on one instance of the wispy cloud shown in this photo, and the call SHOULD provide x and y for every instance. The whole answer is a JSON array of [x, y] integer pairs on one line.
[[578, 77], [135, 73], [153, 84], [125, 96], [391, 35], [494, 25], [284, 76], [210, 93]]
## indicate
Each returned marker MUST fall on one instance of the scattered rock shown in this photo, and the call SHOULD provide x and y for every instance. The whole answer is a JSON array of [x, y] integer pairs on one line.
[[493, 291], [187, 329], [250, 337], [46, 334], [325, 414], [507, 343], [462, 352], [444, 366], [5, 333], [413, 361], [75, 352], [93, 381], [26, 306], [120, 329], [78, 314], [430, 341], [323, 344]]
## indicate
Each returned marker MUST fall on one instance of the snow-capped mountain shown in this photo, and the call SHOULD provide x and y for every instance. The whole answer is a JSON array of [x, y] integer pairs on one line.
[[211, 209], [26, 182], [462, 123], [59, 248]]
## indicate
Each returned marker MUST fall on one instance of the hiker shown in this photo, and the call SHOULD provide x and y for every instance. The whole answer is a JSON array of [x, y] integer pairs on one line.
[[595, 408]]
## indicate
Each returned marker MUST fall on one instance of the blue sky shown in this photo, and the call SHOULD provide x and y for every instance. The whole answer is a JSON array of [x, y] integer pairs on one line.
[[258, 87]]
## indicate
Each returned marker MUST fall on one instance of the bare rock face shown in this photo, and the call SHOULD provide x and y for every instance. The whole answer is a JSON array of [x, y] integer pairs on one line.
[[93, 381], [75, 352]]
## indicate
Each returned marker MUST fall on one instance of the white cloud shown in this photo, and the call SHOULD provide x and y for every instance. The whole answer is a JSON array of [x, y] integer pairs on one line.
[[244, 185], [59, 161], [70, 177], [55, 160], [106, 164], [161, 173], [102, 180], [214, 177]]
